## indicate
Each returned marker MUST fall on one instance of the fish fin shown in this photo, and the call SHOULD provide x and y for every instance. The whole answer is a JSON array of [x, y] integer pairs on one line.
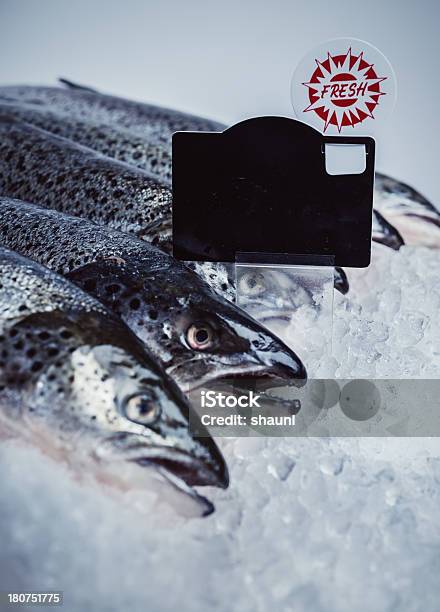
[[341, 281], [72, 85]]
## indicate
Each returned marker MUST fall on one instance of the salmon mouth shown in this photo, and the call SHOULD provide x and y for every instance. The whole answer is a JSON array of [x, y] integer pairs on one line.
[[263, 378], [192, 471], [192, 456]]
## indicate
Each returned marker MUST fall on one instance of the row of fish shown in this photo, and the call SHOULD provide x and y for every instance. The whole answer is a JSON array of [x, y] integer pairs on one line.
[[195, 334], [138, 199], [140, 135], [98, 321]]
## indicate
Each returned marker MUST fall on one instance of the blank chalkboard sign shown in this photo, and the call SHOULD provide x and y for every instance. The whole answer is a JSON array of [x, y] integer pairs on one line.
[[264, 186]]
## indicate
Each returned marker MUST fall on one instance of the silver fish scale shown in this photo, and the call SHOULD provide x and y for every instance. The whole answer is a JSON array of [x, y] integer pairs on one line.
[[23, 291]]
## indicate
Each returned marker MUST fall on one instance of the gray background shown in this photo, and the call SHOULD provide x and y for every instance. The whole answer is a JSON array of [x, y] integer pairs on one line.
[[232, 59]]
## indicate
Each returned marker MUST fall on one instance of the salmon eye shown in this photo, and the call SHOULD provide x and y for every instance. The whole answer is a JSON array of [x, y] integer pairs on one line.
[[252, 284], [142, 409], [200, 336]]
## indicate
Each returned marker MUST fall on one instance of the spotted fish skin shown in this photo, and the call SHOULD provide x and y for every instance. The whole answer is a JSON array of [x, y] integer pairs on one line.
[[71, 368], [57, 173], [153, 122], [122, 144], [162, 301]]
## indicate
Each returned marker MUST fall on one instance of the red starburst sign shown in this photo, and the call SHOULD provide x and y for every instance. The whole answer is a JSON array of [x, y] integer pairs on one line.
[[348, 85]]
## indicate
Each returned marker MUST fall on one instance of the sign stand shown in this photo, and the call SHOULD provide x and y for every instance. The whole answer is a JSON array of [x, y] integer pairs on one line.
[[300, 188], [294, 300]]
